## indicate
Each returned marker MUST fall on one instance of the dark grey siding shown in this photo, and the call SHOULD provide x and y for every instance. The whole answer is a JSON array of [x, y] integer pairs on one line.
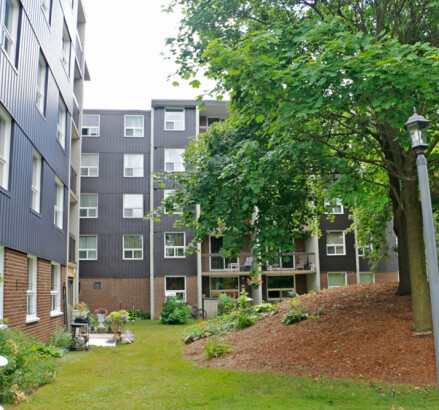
[[20, 228], [171, 139], [342, 263], [110, 226]]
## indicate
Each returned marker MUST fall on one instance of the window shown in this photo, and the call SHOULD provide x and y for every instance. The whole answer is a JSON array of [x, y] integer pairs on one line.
[[174, 119], [364, 249], [89, 165], [280, 287], [335, 243], [334, 207], [55, 289], [132, 247], [46, 6], [133, 126], [10, 28], [65, 51], [5, 142], [88, 206], [97, 285], [36, 182], [218, 262], [31, 309], [367, 277], [175, 286], [336, 279], [174, 160], [58, 208], [40, 98], [212, 120], [175, 244], [91, 125], [227, 286], [171, 209], [62, 122], [133, 165], [133, 206], [88, 248]]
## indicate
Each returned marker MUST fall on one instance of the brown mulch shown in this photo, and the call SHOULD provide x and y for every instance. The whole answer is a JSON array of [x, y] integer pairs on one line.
[[364, 332]]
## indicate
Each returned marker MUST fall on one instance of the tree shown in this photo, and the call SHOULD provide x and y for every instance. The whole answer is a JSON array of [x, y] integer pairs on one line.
[[341, 76]]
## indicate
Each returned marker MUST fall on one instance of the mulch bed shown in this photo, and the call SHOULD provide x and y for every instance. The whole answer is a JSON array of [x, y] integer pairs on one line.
[[364, 332]]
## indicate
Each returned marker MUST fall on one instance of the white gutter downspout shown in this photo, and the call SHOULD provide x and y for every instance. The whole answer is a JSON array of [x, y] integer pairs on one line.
[[151, 221]]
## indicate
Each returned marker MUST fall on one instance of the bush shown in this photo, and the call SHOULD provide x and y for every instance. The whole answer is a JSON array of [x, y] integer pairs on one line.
[[225, 304], [295, 315], [216, 348], [30, 365], [212, 326], [264, 307], [137, 314], [61, 338], [174, 312]]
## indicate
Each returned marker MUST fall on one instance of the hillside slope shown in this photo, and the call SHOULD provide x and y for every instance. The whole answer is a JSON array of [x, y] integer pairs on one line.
[[364, 331]]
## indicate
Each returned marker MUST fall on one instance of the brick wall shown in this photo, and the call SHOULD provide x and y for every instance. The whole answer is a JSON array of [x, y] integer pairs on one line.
[[15, 296], [115, 290], [352, 278], [386, 277]]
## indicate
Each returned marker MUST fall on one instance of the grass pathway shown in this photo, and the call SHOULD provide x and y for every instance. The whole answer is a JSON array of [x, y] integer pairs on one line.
[[152, 373]]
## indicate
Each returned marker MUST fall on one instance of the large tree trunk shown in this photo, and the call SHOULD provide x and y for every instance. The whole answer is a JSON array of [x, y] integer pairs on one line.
[[400, 228], [422, 318]]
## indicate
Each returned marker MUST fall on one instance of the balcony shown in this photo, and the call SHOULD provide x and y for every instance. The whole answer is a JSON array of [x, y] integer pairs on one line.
[[72, 249], [79, 54], [301, 262], [73, 179]]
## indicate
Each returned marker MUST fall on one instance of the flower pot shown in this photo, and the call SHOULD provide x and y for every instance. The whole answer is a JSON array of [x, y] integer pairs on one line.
[[254, 285], [76, 313], [101, 319]]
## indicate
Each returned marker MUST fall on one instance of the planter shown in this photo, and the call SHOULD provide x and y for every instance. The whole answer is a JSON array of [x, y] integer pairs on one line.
[[76, 313], [254, 285], [101, 319]]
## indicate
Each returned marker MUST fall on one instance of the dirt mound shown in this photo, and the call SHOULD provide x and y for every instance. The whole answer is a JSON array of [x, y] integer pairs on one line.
[[364, 331]]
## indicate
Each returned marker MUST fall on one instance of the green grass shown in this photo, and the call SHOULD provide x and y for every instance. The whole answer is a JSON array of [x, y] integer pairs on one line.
[[152, 373]]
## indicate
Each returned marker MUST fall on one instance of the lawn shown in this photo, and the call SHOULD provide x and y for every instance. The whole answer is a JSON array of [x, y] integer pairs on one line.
[[152, 373]]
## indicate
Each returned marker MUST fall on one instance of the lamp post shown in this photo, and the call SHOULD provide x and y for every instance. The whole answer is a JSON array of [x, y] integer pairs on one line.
[[417, 127]]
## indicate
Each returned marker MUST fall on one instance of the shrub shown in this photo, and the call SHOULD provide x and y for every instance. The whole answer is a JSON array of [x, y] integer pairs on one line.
[[225, 304], [264, 307], [295, 315], [139, 314], [212, 326], [216, 348], [174, 312], [61, 338], [29, 365]]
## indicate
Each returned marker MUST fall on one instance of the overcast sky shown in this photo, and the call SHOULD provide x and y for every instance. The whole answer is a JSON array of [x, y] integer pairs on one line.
[[123, 43]]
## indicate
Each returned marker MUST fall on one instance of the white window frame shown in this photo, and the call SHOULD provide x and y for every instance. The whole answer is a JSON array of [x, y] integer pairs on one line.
[[92, 131], [41, 87], [134, 128], [132, 250], [166, 193], [66, 49], [338, 273], [5, 147], [88, 208], [36, 182], [175, 248], [62, 122], [280, 290], [125, 168], [369, 273], [177, 166], [132, 209], [31, 291], [175, 292], [89, 168], [58, 206], [87, 250], [174, 122], [46, 7], [336, 245], [331, 207], [10, 34], [55, 289]]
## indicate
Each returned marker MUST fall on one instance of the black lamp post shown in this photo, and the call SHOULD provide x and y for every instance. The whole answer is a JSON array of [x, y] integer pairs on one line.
[[417, 127]]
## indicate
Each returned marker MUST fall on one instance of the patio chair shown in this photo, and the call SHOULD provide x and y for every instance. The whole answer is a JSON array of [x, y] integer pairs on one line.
[[248, 263], [302, 260]]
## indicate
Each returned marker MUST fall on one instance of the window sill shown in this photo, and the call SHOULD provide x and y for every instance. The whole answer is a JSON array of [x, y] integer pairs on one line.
[[33, 212], [5, 191], [56, 313], [32, 319]]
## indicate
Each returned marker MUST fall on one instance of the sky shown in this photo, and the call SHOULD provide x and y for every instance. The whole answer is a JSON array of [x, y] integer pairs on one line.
[[123, 42]]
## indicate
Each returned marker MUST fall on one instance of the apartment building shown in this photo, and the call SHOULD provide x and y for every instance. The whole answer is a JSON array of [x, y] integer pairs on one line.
[[42, 70], [126, 261]]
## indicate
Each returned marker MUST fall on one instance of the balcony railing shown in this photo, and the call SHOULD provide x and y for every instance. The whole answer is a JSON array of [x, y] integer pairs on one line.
[[75, 114], [79, 53], [73, 179], [295, 261], [72, 249]]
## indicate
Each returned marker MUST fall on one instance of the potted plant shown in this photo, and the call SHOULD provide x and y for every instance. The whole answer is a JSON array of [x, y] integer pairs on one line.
[[117, 319], [101, 313], [254, 279], [80, 310]]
